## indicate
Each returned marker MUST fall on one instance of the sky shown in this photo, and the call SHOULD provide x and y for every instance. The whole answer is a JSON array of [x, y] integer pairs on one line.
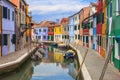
[[55, 9]]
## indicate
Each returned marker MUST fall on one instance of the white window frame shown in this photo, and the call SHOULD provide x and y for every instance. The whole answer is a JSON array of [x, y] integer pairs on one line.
[[117, 14]]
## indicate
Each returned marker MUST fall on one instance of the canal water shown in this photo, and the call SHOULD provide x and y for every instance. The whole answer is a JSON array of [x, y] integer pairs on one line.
[[52, 66]]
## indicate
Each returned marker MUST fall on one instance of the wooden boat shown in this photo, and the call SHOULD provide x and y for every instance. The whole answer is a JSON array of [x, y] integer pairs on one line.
[[69, 54]]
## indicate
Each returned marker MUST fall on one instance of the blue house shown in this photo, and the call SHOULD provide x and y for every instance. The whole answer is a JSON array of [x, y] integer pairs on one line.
[[71, 29], [8, 27], [41, 31]]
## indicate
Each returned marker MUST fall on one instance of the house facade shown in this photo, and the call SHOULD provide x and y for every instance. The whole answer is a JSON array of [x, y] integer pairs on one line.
[[76, 27], [41, 33], [51, 31], [58, 33], [8, 27], [71, 29], [20, 23], [113, 30], [99, 26], [64, 23], [0, 30]]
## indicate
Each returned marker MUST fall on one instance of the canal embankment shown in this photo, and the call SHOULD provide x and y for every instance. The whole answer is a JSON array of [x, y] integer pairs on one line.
[[15, 59], [93, 64]]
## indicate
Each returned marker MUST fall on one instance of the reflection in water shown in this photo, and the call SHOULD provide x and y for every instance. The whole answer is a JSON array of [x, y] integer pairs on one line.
[[52, 67]]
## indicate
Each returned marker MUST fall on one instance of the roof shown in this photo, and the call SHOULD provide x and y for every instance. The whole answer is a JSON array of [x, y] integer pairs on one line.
[[11, 3], [64, 20], [78, 12], [46, 23]]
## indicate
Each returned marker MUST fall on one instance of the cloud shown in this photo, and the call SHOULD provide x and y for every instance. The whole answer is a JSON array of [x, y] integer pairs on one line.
[[51, 6]]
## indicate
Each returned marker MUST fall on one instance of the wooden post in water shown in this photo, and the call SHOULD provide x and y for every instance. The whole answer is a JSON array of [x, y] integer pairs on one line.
[[81, 65], [106, 63]]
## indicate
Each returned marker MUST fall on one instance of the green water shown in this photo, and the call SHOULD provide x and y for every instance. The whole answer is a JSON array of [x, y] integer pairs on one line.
[[51, 67]]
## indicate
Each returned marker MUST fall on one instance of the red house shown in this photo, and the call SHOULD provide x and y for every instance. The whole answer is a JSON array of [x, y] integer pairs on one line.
[[51, 31], [99, 25]]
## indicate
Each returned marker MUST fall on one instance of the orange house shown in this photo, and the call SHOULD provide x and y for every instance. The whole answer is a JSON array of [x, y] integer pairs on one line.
[[103, 44], [83, 15]]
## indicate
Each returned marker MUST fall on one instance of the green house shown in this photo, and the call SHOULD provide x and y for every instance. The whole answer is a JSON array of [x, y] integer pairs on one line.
[[113, 30]]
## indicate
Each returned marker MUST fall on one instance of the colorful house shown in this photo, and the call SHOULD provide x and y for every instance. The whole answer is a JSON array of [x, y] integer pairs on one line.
[[8, 27], [76, 27], [104, 25], [93, 39], [64, 23], [113, 30], [28, 26], [41, 31], [0, 29], [58, 33], [83, 15], [20, 23], [99, 26], [71, 29], [51, 31]]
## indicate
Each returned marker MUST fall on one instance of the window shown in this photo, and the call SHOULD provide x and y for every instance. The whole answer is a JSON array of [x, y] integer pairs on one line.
[[8, 14], [39, 37], [78, 36], [13, 16], [44, 30], [5, 39], [52, 30], [75, 36], [44, 37], [13, 39], [110, 9], [49, 30], [79, 27], [87, 39], [5, 12], [75, 27], [39, 30]]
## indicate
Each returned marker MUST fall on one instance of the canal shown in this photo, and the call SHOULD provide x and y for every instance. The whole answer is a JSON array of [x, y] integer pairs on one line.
[[52, 66]]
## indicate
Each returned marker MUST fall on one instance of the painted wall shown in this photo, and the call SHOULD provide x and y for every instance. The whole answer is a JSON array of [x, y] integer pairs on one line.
[[41, 33], [58, 31], [71, 29], [51, 33], [0, 30], [8, 28]]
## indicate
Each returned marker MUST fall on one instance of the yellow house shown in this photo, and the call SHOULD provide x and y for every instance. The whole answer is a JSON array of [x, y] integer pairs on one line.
[[27, 26], [58, 32], [103, 51]]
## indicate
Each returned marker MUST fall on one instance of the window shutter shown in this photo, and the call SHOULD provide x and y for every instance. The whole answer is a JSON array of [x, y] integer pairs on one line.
[[8, 14], [13, 39], [102, 17], [5, 12], [5, 39], [0, 39]]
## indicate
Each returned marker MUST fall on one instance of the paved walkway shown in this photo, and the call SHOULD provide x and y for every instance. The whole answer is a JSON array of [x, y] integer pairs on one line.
[[94, 63], [13, 56]]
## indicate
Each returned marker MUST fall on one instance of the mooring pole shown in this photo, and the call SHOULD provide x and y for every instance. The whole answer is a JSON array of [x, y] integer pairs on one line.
[[106, 63]]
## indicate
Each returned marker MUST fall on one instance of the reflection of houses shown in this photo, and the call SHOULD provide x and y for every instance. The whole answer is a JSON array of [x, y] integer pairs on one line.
[[64, 23], [8, 27], [58, 32], [58, 56], [51, 54]]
